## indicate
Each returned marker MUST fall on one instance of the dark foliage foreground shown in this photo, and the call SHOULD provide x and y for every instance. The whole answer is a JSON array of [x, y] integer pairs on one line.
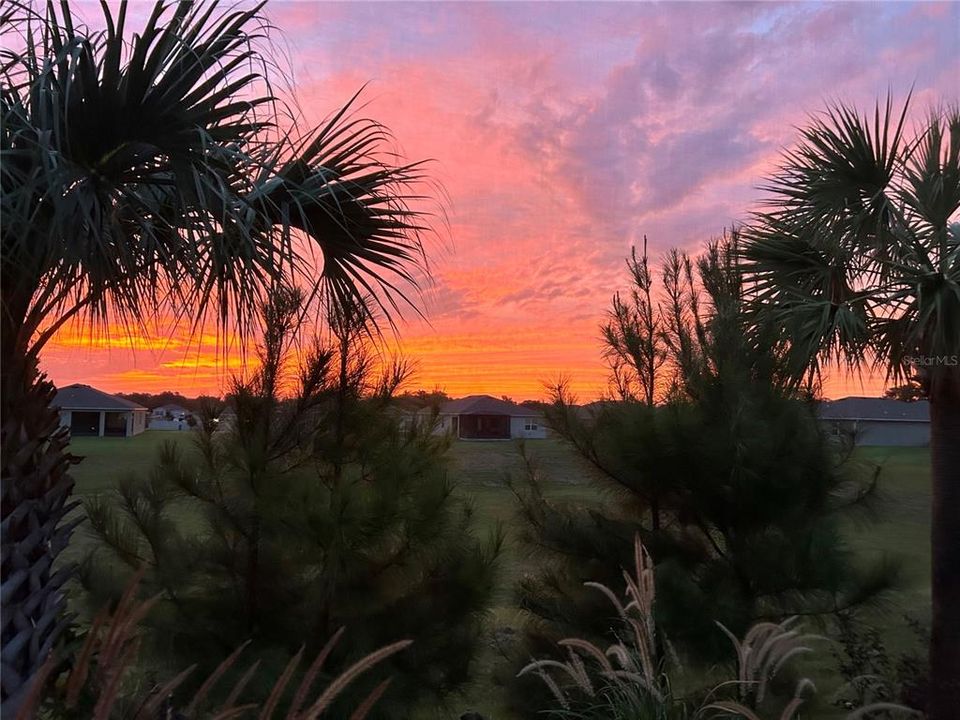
[[629, 678], [300, 514], [855, 260], [160, 168], [152, 171], [734, 489], [94, 682]]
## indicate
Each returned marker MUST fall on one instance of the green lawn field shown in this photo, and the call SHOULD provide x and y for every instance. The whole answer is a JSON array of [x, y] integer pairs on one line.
[[105, 460], [898, 529]]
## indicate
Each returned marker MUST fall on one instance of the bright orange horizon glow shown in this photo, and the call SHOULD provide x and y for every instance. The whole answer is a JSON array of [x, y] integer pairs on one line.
[[512, 363], [562, 133]]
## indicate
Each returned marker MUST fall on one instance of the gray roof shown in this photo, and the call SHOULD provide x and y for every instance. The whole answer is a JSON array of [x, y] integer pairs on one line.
[[486, 405], [879, 409], [171, 407], [84, 397]]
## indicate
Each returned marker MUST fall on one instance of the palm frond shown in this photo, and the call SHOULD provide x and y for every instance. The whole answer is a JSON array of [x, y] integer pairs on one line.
[[855, 259], [149, 173]]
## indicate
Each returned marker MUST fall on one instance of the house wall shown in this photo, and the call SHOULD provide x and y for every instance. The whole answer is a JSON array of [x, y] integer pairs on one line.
[[139, 422], [164, 424], [527, 427], [136, 420], [444, 425], [448, 424], [903, 434], [888, 433]]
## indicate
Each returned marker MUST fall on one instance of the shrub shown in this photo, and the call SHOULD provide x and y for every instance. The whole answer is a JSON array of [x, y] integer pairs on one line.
[[872, 674]]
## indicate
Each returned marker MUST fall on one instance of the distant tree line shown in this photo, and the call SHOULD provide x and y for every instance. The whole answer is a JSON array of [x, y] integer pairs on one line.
[[170, 397]]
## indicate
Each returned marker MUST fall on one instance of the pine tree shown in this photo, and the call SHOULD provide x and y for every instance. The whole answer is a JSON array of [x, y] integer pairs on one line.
[[730, 483], [633, 336], [310, 511]]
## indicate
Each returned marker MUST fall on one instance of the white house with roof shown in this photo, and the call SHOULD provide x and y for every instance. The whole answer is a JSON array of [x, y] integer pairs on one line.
[[878, 421], [170, 411], [482, 417], [169, 417], [91, 412]]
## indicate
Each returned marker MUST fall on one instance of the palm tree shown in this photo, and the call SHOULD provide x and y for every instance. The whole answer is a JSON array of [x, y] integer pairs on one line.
[[152, 173], [857, 259]]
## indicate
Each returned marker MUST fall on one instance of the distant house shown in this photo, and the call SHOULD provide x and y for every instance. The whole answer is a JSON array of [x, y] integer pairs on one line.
[[482, 417], [91, 412], [878, 421], [170, 411], [169, 417]]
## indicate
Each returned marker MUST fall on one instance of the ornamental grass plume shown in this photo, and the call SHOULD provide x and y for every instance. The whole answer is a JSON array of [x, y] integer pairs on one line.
[[629, 680], [631, 664], [93, 686]]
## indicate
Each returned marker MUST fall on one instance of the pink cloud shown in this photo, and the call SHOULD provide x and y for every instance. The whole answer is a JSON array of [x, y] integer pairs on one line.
[[564, 132]]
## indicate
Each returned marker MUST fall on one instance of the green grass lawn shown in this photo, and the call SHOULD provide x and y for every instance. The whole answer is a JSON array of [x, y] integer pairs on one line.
[[900, 528], [105, 460]]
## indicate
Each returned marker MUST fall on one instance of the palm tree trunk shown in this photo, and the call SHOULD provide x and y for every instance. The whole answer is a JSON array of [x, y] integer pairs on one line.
[[35, 490], [945, 538]]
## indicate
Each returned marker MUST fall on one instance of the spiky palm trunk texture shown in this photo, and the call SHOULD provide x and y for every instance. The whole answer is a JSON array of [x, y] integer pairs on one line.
[[945, 537], [36, 489]]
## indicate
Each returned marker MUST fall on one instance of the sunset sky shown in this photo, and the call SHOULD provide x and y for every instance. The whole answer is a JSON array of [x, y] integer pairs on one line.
[[562, 133]]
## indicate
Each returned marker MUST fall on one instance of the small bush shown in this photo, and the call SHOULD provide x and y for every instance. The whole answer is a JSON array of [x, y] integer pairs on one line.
[[872, 674], [627, 680]]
